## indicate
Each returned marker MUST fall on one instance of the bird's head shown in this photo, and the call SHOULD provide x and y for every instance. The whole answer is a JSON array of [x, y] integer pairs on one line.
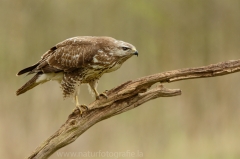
[[114, 54], [124, 49]]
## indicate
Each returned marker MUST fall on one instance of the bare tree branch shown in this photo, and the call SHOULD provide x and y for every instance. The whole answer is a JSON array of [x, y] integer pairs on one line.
[[127, 96]]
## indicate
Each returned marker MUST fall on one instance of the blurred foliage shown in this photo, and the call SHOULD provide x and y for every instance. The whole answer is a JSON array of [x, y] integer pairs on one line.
[[202, 123]]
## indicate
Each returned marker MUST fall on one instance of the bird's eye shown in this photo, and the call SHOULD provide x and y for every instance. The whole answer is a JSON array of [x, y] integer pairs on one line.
[[125, 48]]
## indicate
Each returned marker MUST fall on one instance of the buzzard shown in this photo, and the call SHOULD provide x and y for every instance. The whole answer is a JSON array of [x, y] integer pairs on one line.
[[77, 60]]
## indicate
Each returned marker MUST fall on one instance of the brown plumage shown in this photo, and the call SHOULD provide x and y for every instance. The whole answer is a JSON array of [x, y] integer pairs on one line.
[[78, 60]]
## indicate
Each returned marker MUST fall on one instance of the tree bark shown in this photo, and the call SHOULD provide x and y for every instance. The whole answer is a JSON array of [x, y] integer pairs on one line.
[[127, 96]]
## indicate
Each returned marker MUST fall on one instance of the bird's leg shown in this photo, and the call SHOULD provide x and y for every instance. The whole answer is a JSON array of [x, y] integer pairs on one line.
[[97, 95], [82, 108], [93, 86]]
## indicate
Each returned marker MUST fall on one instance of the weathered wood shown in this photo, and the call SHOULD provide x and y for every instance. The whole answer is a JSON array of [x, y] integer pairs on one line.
[[127, 96]]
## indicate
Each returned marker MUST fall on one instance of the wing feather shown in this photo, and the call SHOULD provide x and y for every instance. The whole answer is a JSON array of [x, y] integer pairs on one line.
[[68, 55]]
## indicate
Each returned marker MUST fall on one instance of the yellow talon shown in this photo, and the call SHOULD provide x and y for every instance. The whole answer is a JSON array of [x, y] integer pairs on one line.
[[82, 108], [102, 94]]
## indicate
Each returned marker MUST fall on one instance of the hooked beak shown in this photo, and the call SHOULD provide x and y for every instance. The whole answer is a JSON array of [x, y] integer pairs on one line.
[[135, 53]]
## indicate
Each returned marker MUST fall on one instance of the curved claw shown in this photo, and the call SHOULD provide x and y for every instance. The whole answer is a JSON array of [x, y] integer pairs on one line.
[[82, 108], [101, 95]]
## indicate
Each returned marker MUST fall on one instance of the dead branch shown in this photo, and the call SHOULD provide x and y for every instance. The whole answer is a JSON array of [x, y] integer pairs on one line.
[[127, 96]]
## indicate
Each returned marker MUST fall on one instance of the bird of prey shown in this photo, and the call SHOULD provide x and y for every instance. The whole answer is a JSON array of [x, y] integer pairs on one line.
[[78, 60]]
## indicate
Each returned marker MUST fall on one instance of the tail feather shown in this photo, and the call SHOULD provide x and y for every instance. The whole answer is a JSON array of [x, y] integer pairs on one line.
[[29, 85], [28, 69]]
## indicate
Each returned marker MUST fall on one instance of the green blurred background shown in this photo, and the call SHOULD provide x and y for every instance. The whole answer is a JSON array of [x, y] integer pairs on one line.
[[202, 123]]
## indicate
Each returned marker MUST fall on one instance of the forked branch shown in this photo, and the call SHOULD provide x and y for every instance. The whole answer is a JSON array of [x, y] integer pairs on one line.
[[127, 96]]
